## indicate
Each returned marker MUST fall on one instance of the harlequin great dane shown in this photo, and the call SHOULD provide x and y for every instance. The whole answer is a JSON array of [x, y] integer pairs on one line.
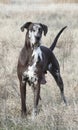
[[34, 62]]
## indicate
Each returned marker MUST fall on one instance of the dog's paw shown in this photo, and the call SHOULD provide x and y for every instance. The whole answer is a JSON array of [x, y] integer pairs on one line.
[[24, 114], [34, 113]]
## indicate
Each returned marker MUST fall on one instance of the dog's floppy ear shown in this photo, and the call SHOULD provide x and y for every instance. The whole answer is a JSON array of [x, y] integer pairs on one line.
[[45, 28], [26, 25]]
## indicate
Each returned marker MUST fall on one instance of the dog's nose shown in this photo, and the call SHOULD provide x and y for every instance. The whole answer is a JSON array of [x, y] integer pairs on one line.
[[38, 38]]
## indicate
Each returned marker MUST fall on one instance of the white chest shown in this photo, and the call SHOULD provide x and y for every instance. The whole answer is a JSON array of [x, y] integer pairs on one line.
[[31, 71]]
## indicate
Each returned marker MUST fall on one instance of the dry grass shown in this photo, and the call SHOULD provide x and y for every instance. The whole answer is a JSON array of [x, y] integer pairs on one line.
[[38, 1], [5, 1], [53, 115], [63, 1]]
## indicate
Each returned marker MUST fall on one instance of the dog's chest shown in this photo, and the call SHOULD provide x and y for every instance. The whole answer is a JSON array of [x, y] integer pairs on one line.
[[30, 73]]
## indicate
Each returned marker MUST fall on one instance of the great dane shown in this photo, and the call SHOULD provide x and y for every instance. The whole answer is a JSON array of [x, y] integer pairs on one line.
[[34, 62]]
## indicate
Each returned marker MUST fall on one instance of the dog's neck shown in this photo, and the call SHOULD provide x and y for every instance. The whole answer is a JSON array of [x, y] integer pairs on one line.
[[37, 53], [33, 50], [27, 43]]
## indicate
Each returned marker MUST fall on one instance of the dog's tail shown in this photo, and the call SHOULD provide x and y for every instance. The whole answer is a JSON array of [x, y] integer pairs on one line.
[[56, 39]]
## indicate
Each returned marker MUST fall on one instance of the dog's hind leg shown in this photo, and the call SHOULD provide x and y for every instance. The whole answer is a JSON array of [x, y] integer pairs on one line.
[[56, 74]]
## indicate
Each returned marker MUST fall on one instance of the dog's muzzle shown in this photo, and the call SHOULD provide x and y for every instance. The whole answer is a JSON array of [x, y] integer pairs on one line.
[[37, 43], [38, 38]]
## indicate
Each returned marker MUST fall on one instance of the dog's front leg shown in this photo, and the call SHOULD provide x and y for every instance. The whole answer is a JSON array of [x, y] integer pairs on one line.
[[23, 98], [36, 90]]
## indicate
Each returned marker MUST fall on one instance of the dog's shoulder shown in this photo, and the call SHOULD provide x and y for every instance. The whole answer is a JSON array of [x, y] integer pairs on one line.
[[24, 56]]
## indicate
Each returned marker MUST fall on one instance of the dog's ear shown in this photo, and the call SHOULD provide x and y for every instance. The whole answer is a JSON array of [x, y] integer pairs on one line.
[[45, 28], [26, 25]]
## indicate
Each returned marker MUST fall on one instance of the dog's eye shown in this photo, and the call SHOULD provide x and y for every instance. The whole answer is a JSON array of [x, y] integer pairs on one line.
[[33, 30], [40, 30]]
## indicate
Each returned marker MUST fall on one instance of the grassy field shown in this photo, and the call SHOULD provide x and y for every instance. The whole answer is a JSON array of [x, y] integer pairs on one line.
[[53, 115]]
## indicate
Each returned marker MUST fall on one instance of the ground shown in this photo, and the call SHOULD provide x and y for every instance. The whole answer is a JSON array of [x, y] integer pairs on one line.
[[53, 114]]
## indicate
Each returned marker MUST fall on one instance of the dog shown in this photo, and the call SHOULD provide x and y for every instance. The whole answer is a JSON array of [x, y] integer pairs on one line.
[[34, 62]]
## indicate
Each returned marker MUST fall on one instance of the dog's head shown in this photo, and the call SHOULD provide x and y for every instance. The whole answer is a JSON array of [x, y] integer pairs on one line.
[[34, 32]]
